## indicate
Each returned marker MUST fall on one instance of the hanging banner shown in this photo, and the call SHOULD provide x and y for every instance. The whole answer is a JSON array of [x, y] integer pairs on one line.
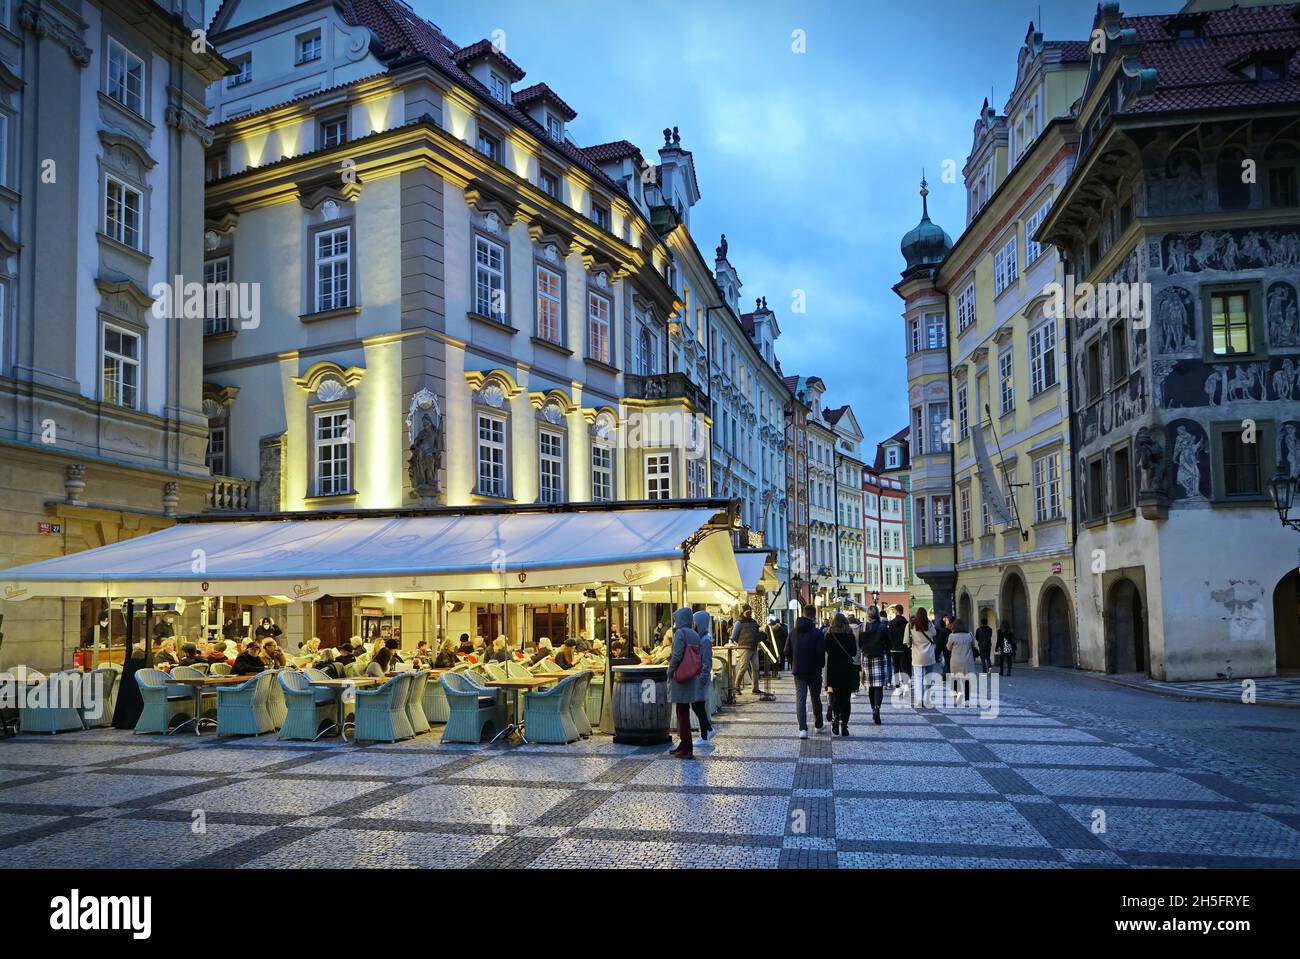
[[989, 487]]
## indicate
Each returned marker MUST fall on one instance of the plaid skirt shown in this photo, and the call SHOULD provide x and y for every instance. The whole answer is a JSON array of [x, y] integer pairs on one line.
[[877, 669]]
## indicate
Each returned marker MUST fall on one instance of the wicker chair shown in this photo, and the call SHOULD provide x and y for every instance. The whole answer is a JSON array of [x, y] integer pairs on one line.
[[724, 681], [241, 710], [103, 688], [219, 669], [162, 703], [57, 697], [578, 703], [202, 667], [8, 714], [276, 709], [516, 670], [381, 713], [435, 705], [470, 709], [494, 671], [595, 698], [546, 714], [550, 666], [415, 702], [307, 708]]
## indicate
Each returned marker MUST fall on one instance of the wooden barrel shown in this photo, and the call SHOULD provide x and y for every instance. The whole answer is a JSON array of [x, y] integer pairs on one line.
[[640, 705]]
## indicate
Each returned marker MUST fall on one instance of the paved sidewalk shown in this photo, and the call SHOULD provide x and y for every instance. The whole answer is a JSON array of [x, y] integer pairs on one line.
[[927, 788], [1267, 691]]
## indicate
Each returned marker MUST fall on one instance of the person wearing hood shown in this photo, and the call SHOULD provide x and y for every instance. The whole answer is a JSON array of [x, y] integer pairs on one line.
[[806, 650], [843, 673], [689, 689], [703, 623]]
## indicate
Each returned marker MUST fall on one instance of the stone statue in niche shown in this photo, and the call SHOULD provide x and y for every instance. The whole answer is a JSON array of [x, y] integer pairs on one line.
[[1284, 380], [1173, 318], [1151, 462], [424, 432], [1216, 386], [1188, 450], [1283, 321]]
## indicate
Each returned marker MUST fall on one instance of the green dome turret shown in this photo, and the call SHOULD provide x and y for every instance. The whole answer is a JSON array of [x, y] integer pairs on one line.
[[926, 244]]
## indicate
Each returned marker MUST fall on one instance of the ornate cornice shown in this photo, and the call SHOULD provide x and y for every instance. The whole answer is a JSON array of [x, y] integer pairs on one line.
[[188, 122], [43, 25]]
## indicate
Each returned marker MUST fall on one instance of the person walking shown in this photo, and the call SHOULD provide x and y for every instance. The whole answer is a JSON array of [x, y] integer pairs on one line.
[[874, 643], [1006, 648], [703, 624], [842, 672], [898, 627], [745, 635], [806, 651], [961, 659], [683, 691], [942, 629], [984, 643], [780, 635], [921, 633]]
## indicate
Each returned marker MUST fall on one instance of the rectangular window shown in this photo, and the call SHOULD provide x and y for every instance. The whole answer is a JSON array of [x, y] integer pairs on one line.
[[942, 519], [1118, 353], [659, 476], [914, 335], [1047, 488], [550, 453], [126, 77], [333, 132], [489, 279], [602, 473], [1034, 249], [308, 47], [918, 431], [936, 413], [920, 525], [121, 366], [1006, 381], [491, 455], [549, 183], [548, 305], [489, 146], [216, 276], [214, 167], [598, 327], [1005, 266], [966, 308], [123, 212], [1096, 488], [243, 71], [600, 215], [963, 413], [1230, 322], [1093, 384], [498, 87], [936, 331], [964, 505], [1282, 186], [216, 455], [333, 454], [554, 128], [1241, 468], [333, 269], [1042, 358], [1121, 478]]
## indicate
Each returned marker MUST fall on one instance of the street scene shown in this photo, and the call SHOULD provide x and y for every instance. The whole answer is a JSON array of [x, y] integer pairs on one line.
[[768, 437]]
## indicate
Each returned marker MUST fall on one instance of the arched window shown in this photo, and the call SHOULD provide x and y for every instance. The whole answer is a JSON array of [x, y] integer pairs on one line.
[[1234, 191]]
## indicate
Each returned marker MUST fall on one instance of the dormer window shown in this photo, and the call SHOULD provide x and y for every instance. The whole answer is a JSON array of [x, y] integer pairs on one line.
[[600, 215], [308, 47], [555, 128], [244, 65], [333, 131], [1267, 67], [489, 146], [1189, 35], [498, 87]]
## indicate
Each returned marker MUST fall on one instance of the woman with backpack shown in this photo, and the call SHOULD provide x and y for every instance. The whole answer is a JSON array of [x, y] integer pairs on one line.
[[1006, 648], [842, 672], [685, 683], [922, 636], [876, 663]]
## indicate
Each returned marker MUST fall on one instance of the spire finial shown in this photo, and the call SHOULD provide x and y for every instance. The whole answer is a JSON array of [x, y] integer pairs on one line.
[[925, 192]]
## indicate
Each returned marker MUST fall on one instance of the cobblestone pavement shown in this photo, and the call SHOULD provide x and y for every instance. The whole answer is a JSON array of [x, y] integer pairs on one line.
[[1176, 784]]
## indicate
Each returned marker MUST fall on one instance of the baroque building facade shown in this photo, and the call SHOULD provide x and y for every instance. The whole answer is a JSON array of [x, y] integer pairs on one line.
[[1184, 197], [102, 135]]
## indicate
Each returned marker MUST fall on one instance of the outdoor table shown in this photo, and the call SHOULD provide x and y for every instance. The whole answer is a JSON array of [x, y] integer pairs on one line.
[[198, 685], [337, 686], [731, 671], [515, 684]]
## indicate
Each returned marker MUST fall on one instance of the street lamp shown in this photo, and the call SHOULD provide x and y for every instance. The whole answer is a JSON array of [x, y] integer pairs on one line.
[[875, 597], [1281, 489]]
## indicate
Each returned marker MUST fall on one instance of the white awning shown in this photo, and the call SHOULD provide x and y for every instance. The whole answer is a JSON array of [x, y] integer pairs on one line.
[[756, 569], [309, 558]]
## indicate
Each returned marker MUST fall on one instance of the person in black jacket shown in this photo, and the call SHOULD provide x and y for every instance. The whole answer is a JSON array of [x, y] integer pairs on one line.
[[874, 642], [984, 643], [465, 645], [745, 635], [842, 673], [249, 661], [807, 651], [942, 630], [898, 645], [1006, 648]]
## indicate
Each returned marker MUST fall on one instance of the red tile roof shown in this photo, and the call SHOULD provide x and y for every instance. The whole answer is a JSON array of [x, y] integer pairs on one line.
[[1072, 51], [484, 48], [1202, 76], [540, 91], [617, 150]]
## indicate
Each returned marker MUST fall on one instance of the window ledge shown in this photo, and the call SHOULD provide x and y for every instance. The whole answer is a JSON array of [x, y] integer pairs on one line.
[[549, 345], [1093, 523], [220, 336], [502, 325], [478, 497], [112, 244], [1049, 523], [10, 194], [1243, 502], [334, 314], [123, 110], [597, 364], [1046, 391], [1129, 513], [332, 499]]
